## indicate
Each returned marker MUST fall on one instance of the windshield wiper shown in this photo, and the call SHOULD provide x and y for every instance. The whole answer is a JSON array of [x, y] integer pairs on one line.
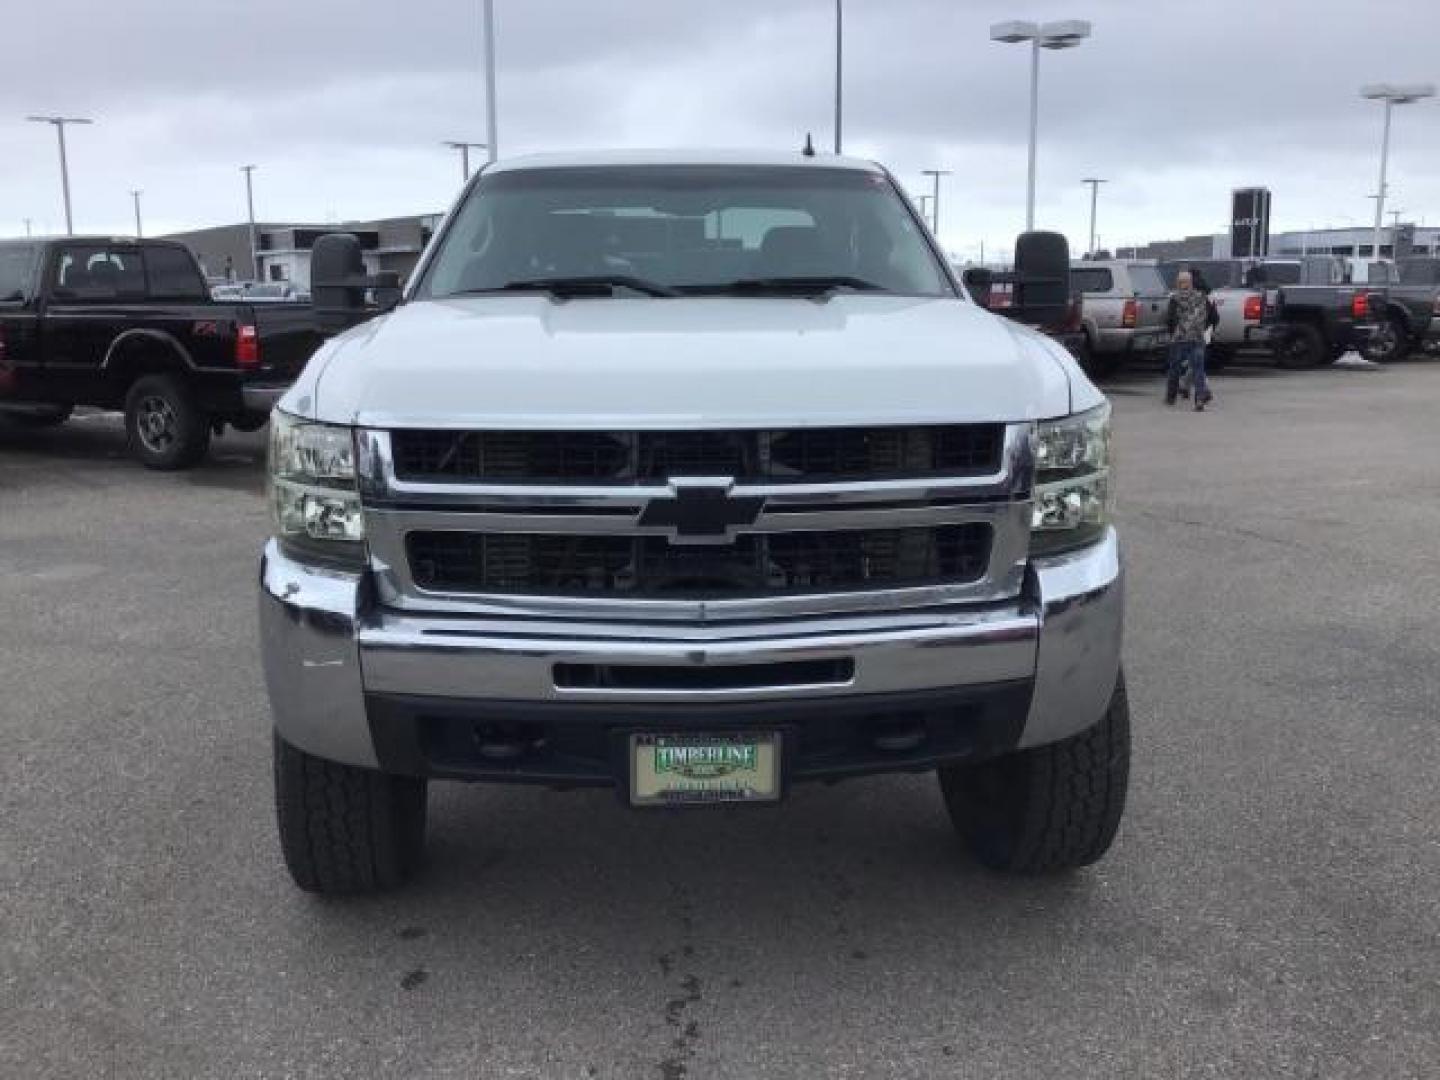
[[587, 285], [815, 285]]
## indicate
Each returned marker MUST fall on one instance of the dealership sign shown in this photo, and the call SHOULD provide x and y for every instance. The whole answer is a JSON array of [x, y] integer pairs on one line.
[[1249, 222]]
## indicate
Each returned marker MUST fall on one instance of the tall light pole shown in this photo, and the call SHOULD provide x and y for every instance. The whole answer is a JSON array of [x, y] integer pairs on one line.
[[839, 66], [60, 122], [492, 137], [27, 226], [1065, 34], [135, 194], [935, 175], [464, 148], [924, 213], [1094, 182], [250, 208], [1391, 96]]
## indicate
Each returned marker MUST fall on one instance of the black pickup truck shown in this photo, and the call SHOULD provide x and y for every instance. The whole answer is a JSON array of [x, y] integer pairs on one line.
[[1412, 310], [129, 324]]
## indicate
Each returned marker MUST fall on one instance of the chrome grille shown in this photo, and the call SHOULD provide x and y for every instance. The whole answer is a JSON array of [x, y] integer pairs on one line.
[[652, 567], [607, 526], [796, 455]]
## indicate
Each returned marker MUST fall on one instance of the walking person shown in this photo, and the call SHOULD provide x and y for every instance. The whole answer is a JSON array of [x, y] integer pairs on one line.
[[1190, 316]]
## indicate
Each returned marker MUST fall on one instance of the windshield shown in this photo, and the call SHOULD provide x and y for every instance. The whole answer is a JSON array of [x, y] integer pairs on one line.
[[17, 263], [687, 228], [1146, 280]]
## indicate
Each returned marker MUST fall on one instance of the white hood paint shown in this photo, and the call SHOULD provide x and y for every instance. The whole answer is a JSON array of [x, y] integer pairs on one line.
[[531, 362]]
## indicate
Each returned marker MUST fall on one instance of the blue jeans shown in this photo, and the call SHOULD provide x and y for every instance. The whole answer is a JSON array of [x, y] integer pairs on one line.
[[1187, 354]]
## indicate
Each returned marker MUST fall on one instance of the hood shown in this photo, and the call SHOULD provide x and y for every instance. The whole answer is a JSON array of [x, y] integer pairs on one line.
[[534, 362]]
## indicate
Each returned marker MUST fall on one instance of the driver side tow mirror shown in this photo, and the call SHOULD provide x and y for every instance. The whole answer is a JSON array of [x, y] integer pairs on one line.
[[339, 284], [1042, 278]]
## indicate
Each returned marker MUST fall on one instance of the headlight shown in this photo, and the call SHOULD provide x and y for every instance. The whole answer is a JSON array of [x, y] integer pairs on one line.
[[1072, 482], [313, 496]]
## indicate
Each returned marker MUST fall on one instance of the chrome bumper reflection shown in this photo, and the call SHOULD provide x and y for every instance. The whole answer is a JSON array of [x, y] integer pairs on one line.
[[326, 643]]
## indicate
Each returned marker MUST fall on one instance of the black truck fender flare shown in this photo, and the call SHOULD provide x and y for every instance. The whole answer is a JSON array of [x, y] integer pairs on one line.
[[152, 337]]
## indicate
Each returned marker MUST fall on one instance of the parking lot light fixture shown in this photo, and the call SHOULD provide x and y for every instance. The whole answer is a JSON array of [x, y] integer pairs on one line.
[[1094, 182], [250, 207], [1391, 95], [59, 122], [1064, 34], [464, 148], [935, 175], [492, 134]]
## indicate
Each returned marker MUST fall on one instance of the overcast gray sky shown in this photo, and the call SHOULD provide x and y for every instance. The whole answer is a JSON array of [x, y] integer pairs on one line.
[[343, 103]]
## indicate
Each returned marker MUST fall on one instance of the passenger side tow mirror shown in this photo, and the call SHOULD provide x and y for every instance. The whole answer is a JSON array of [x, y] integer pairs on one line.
[[1042, 278], [978, 282]]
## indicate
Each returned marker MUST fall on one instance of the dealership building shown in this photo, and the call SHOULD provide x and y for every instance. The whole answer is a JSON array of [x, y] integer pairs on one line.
[[283, 250], [1398, 241]]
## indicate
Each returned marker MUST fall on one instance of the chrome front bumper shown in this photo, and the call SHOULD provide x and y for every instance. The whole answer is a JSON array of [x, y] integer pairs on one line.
[[327, 643]]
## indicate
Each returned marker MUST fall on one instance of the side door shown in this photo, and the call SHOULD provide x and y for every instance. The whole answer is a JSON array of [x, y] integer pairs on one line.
[[91, 284], [19, 319]]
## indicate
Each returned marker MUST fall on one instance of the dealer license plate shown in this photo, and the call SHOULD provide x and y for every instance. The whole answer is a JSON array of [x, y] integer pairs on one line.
[[675, 770]]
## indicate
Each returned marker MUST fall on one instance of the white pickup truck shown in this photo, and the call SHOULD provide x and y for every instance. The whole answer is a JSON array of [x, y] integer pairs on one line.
[[693, 476]]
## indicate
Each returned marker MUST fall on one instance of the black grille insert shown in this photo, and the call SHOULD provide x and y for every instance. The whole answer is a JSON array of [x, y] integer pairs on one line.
[[650, 566], [641, 457], [717, 677]]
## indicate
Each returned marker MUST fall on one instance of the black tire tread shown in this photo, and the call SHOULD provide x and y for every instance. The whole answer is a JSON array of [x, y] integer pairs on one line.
[[195, 440], [1314, 353], [345, 829], [1066, 798]]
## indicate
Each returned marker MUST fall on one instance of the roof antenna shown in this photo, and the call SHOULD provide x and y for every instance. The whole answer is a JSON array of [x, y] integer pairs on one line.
[[809, 150]]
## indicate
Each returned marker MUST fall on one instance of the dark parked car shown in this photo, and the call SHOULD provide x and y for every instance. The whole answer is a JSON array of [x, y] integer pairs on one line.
[[130, 325]]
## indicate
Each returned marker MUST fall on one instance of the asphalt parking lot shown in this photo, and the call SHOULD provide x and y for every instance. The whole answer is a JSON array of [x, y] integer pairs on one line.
[[1270, 908]]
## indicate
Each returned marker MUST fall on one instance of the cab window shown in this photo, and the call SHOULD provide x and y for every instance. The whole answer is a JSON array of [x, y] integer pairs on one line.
[[170, 274], [89, 272]]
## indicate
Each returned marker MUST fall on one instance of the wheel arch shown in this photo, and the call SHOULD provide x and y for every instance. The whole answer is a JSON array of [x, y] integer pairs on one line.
[[140, 351], [1399, 313]]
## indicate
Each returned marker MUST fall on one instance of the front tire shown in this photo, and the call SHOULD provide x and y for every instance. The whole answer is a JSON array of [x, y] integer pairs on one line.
[[164, 425], [346, 830], [1048, 809]]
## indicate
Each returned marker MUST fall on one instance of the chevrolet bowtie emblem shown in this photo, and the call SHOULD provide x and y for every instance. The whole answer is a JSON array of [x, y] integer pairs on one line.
[[702, 511]]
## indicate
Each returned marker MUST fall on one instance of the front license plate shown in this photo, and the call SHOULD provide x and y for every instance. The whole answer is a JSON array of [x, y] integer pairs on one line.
[[673, 770]]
